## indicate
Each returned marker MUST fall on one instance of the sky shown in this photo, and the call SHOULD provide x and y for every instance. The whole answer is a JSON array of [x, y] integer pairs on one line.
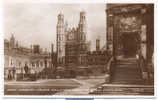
[[35, 23]]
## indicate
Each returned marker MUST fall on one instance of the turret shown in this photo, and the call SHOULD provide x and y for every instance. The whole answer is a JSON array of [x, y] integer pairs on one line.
[[17, 45], [60, 39], [82, 22], [12, 41], [60, 24], [82, 27], [97, 44]]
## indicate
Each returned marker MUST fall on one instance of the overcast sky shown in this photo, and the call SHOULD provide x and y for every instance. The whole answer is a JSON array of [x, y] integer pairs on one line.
[[35, 23]]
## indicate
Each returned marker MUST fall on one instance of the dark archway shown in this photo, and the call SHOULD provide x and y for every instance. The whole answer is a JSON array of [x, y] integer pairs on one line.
[[130, 43]]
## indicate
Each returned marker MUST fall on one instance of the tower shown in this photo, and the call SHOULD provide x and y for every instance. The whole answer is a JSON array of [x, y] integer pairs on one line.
[[97, 44], [12, 41], [82, 32], [82, 26], [60, 39]]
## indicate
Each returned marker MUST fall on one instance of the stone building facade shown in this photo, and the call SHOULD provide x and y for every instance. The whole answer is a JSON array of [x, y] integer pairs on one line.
[[130, 32], [72, 45], [16, 57], [130, 21]]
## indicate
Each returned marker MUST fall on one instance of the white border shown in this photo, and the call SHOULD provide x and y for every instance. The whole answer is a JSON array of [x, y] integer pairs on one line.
[[69, 2], [1, 49], [81, 1]]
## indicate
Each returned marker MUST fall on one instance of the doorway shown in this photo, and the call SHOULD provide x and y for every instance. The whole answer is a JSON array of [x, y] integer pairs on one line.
[[130, 45]]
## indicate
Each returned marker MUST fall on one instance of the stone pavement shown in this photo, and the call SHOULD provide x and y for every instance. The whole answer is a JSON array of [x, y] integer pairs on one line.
[[40, 87], [83, 89]]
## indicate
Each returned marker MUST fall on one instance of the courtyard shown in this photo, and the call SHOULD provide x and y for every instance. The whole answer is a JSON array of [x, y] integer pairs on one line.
[[51, 87]]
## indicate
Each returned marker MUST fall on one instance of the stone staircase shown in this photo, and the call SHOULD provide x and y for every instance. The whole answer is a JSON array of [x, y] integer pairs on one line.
[[123, 89], [126, 80], [127, 72]]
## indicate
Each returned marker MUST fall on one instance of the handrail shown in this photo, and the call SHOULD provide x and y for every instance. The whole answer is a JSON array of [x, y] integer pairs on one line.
[[108, 70], [142, 64], [109, 64]]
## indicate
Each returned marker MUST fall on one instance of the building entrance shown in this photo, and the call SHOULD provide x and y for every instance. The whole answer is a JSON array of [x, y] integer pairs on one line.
[[129, 44]]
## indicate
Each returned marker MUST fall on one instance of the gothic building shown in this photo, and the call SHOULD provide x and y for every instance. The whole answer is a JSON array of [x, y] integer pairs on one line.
[[72, 45]]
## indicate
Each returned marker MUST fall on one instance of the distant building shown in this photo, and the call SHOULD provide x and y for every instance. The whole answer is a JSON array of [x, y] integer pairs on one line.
[[97, 60], [98, 57], [97, 44], [61, 29], [72, 45], [16, 57]]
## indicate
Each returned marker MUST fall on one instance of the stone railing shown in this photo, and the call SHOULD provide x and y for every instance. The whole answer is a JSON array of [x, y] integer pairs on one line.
[[142, 65], [109, 70], [147, 70], [150, 68]]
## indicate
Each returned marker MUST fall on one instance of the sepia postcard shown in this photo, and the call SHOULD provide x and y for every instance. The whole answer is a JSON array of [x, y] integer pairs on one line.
[[78, 49]]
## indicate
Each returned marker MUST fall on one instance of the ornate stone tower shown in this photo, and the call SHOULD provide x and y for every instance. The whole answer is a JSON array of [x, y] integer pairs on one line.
[[12, 41], [82, 32], [82, 27], [60, 39]]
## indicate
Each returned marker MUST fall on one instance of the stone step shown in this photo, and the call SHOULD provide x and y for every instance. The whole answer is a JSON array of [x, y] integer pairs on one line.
[[127, 72], [123, 89], [123, 63], [128, 82], [118, 74], [121, 93], [128, 76]]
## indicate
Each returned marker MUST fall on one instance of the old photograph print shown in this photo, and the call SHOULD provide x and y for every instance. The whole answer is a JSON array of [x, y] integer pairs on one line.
[[78, 49]]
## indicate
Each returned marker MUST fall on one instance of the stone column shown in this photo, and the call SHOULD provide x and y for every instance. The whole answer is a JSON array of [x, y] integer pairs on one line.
[[143, 44], [110, 33], [115, 36], [150, 41], [143, 34]]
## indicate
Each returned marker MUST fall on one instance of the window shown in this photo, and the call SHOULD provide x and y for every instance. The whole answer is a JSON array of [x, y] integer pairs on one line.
[[41, 63], [33, 64], [59, 50], [71, 36], [62, 60], [11, 63]]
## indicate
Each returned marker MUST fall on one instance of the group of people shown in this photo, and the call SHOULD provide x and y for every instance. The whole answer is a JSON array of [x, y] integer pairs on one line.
[[12, 73]]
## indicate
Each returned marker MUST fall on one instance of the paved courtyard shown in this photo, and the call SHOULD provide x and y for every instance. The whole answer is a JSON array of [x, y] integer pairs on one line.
[[86, 84], [51, 87], [40, 87]]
